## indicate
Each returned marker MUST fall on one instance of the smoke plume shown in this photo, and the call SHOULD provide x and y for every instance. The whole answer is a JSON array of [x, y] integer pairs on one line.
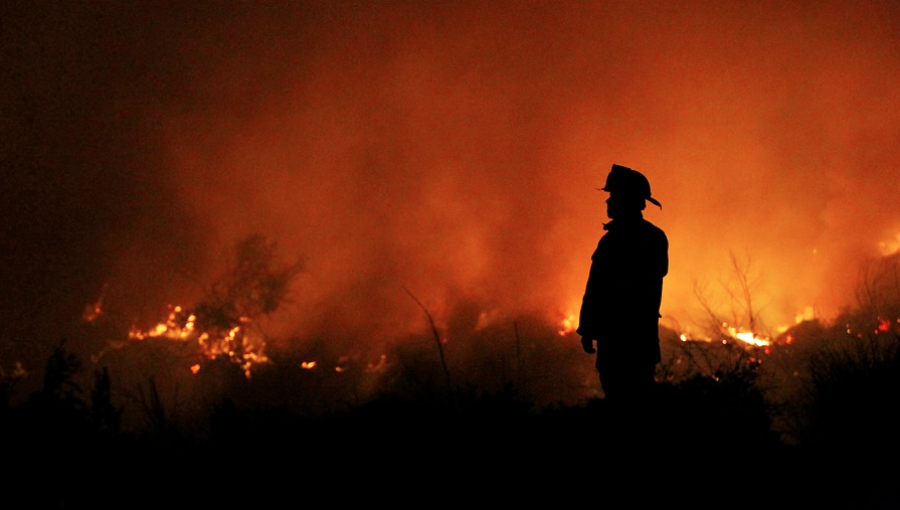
[[446, 149]]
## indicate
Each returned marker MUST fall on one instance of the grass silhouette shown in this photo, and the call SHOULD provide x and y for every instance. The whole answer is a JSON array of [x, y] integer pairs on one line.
[[712, 429]]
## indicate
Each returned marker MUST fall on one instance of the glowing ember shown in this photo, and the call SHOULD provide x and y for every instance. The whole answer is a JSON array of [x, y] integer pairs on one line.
[[308, 365], [94, 310], [377, 366]]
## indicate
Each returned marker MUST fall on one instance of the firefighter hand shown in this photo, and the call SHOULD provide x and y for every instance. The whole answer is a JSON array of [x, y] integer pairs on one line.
[[588, 345]]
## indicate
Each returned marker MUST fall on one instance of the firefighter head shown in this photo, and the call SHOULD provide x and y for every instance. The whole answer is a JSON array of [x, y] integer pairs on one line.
[[628, 189]]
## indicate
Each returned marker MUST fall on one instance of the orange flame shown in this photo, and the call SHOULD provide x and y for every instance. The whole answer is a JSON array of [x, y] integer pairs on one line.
[[239, 343], [568, 324], [747, 337]]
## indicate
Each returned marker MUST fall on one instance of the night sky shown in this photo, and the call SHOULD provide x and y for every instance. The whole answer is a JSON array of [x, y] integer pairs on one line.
[[451, 149]]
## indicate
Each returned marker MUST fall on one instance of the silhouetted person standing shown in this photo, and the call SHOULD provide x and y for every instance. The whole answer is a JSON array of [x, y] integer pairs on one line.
[[620, 308]]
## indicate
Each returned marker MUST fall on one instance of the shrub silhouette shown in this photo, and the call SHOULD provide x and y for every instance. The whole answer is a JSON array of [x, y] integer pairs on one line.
[[726, 409], [851, 398], [59, 417], [703, 419]]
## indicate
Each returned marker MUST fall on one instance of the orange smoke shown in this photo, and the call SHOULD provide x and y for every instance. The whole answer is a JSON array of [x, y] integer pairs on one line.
[[454, 149]]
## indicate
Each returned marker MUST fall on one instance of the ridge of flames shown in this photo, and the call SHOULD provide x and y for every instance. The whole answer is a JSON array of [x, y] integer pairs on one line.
[[238, 343], [569, 324], [747, 336]]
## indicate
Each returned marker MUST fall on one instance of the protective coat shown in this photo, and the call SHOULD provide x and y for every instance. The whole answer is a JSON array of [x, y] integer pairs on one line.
[[622, 298]]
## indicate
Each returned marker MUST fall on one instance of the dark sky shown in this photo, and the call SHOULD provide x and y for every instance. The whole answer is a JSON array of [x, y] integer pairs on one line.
[[451, 148]]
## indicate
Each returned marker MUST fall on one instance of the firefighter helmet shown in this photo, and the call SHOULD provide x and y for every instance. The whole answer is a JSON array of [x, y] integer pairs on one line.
[[624, 180]]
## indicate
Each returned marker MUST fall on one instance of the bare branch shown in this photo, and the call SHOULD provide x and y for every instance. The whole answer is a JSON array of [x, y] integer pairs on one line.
[[437, 336]]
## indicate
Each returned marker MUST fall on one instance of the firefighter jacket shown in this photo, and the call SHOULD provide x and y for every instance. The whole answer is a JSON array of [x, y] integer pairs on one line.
[[622, 298]]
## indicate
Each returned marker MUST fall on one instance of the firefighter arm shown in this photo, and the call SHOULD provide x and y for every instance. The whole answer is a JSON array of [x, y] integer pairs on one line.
[[588, 345]]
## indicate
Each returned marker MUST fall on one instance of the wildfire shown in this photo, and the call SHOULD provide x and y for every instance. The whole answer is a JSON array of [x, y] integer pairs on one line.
[[177, 326], [746, 336], [734, 333], [237, 343]]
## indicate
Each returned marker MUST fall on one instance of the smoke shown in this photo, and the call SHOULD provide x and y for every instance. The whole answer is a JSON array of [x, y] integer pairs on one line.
[[448, 148]]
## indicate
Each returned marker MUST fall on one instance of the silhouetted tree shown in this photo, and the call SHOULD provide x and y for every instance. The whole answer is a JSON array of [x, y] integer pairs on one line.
[[255, 286]]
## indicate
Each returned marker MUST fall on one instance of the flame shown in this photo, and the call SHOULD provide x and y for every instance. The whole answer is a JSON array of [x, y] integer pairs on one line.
[[239, 343], [568, 324], [808, 314], [747, 336], [94, 310], [890, 247]]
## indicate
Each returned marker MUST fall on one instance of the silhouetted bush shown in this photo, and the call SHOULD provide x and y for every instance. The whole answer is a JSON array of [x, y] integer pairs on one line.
[[718, 423], [850, 405]]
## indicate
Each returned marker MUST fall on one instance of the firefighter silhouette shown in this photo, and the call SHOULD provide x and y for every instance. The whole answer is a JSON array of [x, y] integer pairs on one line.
[[620, 308]]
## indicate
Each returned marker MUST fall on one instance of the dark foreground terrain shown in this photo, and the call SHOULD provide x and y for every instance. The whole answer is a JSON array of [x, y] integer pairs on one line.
[[707, 441], [471, 449]]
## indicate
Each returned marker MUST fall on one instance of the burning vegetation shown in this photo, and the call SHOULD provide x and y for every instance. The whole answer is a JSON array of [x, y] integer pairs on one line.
[[817, 388], [224, 324], [450, 148]]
